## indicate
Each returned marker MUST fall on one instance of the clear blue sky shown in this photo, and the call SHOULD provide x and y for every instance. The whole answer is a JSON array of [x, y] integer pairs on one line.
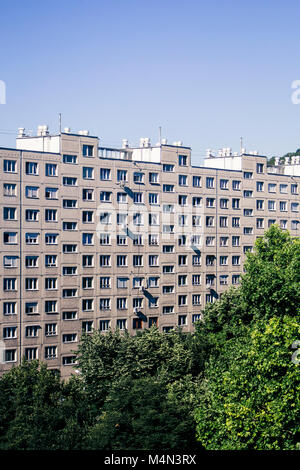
[[208, 72]]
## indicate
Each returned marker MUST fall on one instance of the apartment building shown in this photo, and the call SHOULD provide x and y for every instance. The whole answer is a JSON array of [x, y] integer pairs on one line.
[[97, 238]]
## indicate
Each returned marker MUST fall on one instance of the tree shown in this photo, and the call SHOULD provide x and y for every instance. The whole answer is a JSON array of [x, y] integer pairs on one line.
[[138, 414], [250, 392], [250, 396]]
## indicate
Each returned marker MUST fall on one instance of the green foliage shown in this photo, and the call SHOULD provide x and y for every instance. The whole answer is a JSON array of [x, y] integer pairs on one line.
[[138, 414], [271, 161], [251, 392], [105, 359], [271, 283]]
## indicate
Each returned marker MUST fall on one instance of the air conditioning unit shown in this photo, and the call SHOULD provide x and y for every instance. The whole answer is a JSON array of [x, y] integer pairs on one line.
[[135, 310]]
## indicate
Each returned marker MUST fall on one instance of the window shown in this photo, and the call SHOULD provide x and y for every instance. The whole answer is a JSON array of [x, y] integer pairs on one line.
[[224, 280], [260, 223], [260, 204], [122, 282], [121, 303], [235, 222], [105, 174], [236, 185], [31, 168], [182, 320], [168, 188], [153, 260], [196, 279], [50, 352], [224, 203], [182, 200], [121, 198], [9, 332], [71, 159], [69, 338], [69, 270], [196, 299], [121, 260], [69, 204], [10, 166], [31, 261], [104, 304], [235, 241], [210, 182], [51, 169], [210, 221], [182, 160], [10, 355], [259, 186], [50, 329], [248, 212], [104, 239], [248, 193], [31, 308], [138, 218], [210, 260], [138, 198], [294, 224], [104, 261], [167, 168], [224, 184], [271, 205], [138, 178], [87, 305], [137, 260], [51, 193], [294, 188], [223, 241], [153, 178], [104, 325], [196, 317], [271, 222], [69, 293], [182, 260], [248, 175], [69, 226], [50, 261], [51, 238], [87, 239], [223, 260], [182, 180], [168, 269], [87, 194], [223, 222], [259, 167], [87, 326], [31, 238], [121, 175], [153, 239], [87, 216], [88, 173], [105, 196], [9, 284], [235, 279], [50, 283], [10, 261], [236, 260], [137, 240], [121, 323], [210, 202], [32, 215], [10, 238], [197, 181], [9, 308], [31, 283], [32, 331], [182, 280], [210, 280], [69, 248], [10, 213], [283, 188], [182, 220], [248, 230], [69, 181], [168, 248], [87, 150], [272, 187], [196, 260], [197, 201], [153, 198], [9, 189], [138, 282], [88, 261], [51, 215], [69, 315], [294, 206], [283, 224], [283, 206]]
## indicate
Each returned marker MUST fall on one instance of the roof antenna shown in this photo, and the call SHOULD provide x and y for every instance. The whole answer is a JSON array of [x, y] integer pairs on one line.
[[241, 140], [159, 134], [59, 123]]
